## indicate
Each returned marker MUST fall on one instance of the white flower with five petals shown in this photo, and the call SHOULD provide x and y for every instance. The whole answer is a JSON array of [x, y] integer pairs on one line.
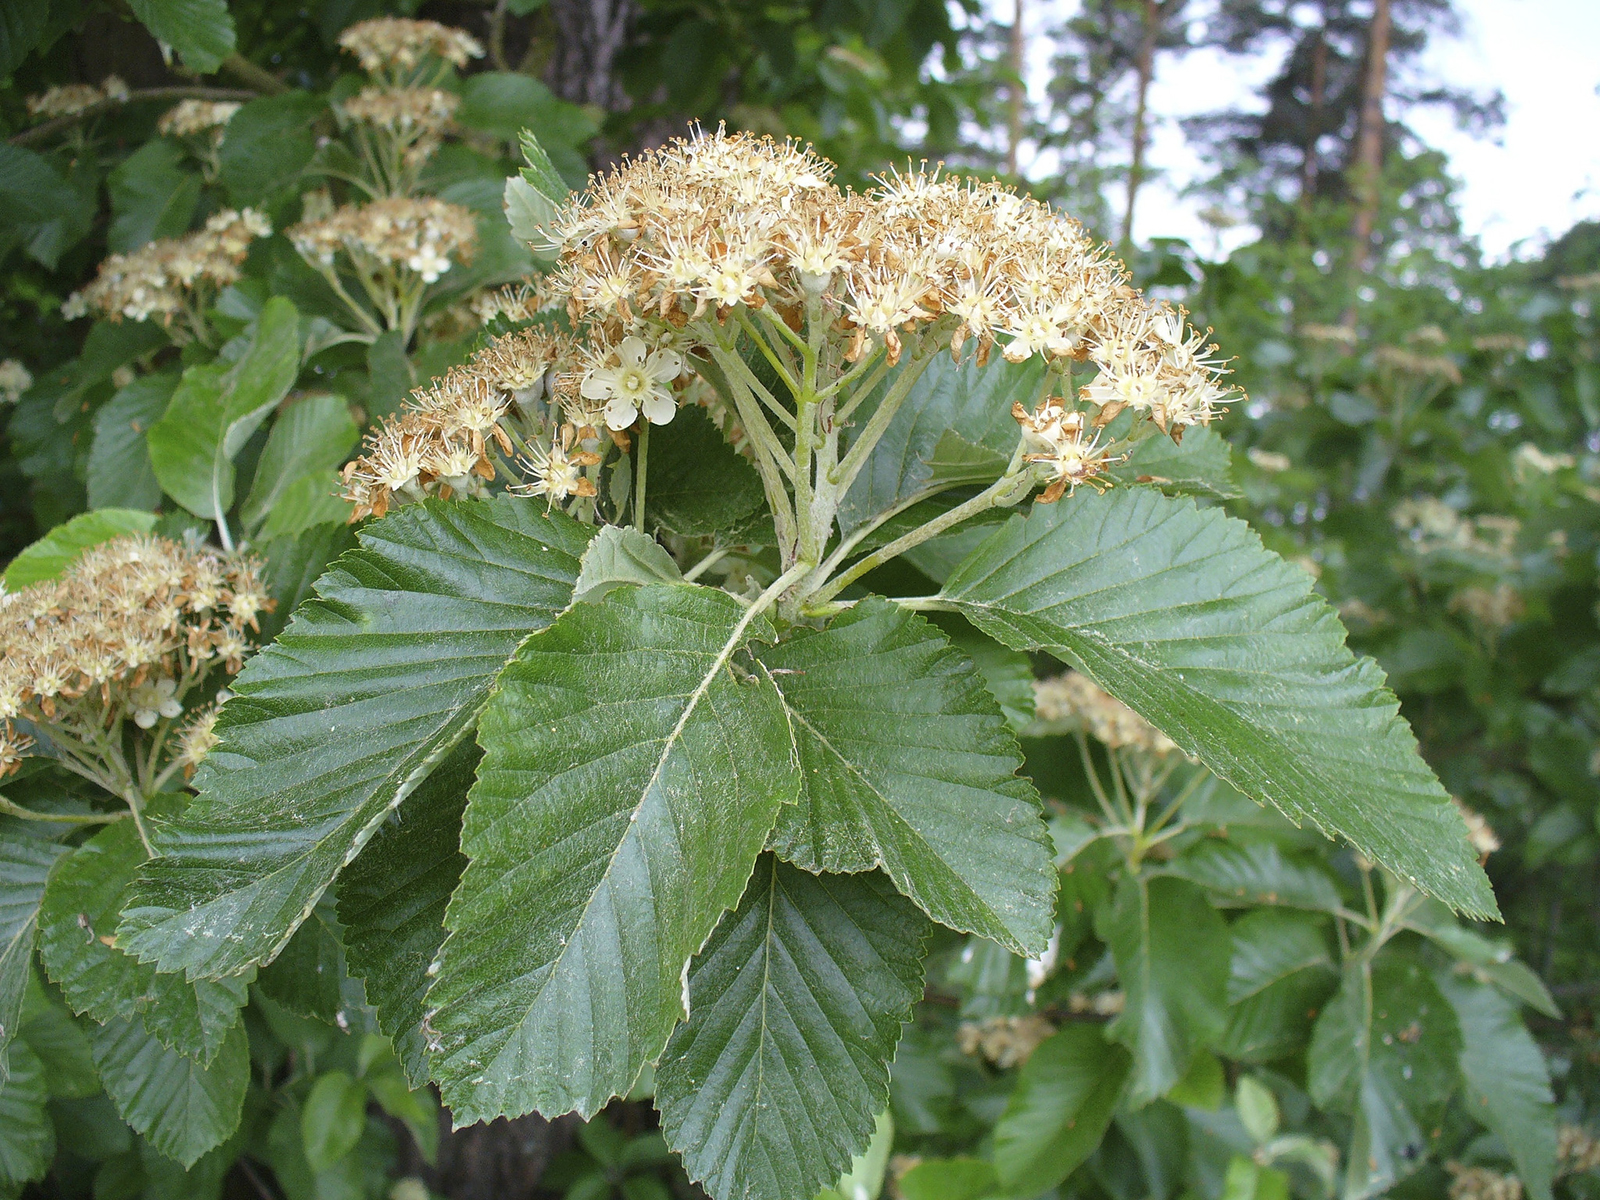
[[637, 383]]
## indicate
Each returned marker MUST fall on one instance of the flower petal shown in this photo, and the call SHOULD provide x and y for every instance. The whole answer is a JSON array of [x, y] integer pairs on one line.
[[620, 413], [631, 351], [659, 409]]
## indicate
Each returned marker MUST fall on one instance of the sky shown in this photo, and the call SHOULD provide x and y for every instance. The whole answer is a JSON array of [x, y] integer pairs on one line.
[[1531, 180]]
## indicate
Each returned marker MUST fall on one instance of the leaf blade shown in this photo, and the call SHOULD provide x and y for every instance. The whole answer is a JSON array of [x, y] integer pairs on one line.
[[797, 1004], [466, 580], [1184, 616], [600, 796]]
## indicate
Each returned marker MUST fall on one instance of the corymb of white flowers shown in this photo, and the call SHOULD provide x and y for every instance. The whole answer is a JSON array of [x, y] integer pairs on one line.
[[727, 270]]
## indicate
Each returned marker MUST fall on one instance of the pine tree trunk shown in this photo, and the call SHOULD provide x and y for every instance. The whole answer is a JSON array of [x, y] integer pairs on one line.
[[1016, 91], [1319, 93], [1369, 146], [1146, 65]]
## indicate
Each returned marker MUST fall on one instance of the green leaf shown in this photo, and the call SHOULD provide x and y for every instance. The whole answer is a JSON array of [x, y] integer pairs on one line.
[[698, 485], [217, 406], [1007, 674], [907, 764], [309, 976], [76, 920], [27, 1137], [392, 901], [22, 28], [1258, 1110], [1390, 1059], [533, 197], [120, 474], [390, 375], [25, 864], [629, 779], [864, 1179], [796, 1005], [61, 1045], [1060, 1109], [502, 103], [308, 440], [305, 503], [1491, 961], [267, 144], [950, 1179], [540, 173], [417, 1109], [1183, 615], [57, 550], [201, 31], [956, 424], [293, 566], [1199, 466], [1257, 873], [335, 724], [1508, 1085], [183, 1108], [152, 196], [1171, 950], [333, 1118], [620, 555]]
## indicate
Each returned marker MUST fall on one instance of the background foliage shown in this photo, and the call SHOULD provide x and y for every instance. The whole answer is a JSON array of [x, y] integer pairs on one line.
[[1421, 436]]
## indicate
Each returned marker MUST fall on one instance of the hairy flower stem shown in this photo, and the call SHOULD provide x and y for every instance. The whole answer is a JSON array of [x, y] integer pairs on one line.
[[27, 814]]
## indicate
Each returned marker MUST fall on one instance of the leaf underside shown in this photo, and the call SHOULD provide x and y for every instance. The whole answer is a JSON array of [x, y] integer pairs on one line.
[[344, 716], [1183, 615]]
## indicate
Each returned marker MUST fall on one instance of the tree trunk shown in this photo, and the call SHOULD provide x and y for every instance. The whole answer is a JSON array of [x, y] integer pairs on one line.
[[1369, 146], [1146, 65], [589, 36], [1016, 90], [1319, 94]]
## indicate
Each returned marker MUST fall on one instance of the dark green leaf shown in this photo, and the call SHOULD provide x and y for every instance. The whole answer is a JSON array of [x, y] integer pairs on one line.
[[1257, 873], [796, 1005], [267, 144], [629, 780], [1183, 615], [698, 485], [57, 550], [120, 474], [294, 564], [1199, 466], [1060, 1109], [309, 976], [22, 27], [333, 726], [308, 440], [392, 901], [390, 374], [1508, 1085], [1389, 1057], [217, 406], [27, 1138], [201, 31], [183, 1108], [25, 864], [333, 1118], [955, 413], [503, 103], [152, 196], [1006, 673], [908, 765], [1490, 960], [1172, 951], [1281, 973], [76, 920], [61, 1045]]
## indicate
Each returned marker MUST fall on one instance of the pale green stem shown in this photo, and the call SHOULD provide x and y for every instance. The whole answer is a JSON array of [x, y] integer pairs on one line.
[[768, 350], [855, 539], [874, 360], [638, 487], [704, 565], [27, 814], [844, 475], [1008, 489]]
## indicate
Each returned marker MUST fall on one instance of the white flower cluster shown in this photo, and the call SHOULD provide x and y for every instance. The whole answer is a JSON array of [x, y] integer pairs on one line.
[[171, 276], [69, 99], [423, 235], [188, 118], [392, 49]]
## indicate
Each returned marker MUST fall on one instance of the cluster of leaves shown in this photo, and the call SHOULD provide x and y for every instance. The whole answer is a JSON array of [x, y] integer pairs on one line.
[[512, 797]]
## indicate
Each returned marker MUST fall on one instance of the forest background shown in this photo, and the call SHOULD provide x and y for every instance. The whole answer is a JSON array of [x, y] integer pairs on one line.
[[1421, 434]]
